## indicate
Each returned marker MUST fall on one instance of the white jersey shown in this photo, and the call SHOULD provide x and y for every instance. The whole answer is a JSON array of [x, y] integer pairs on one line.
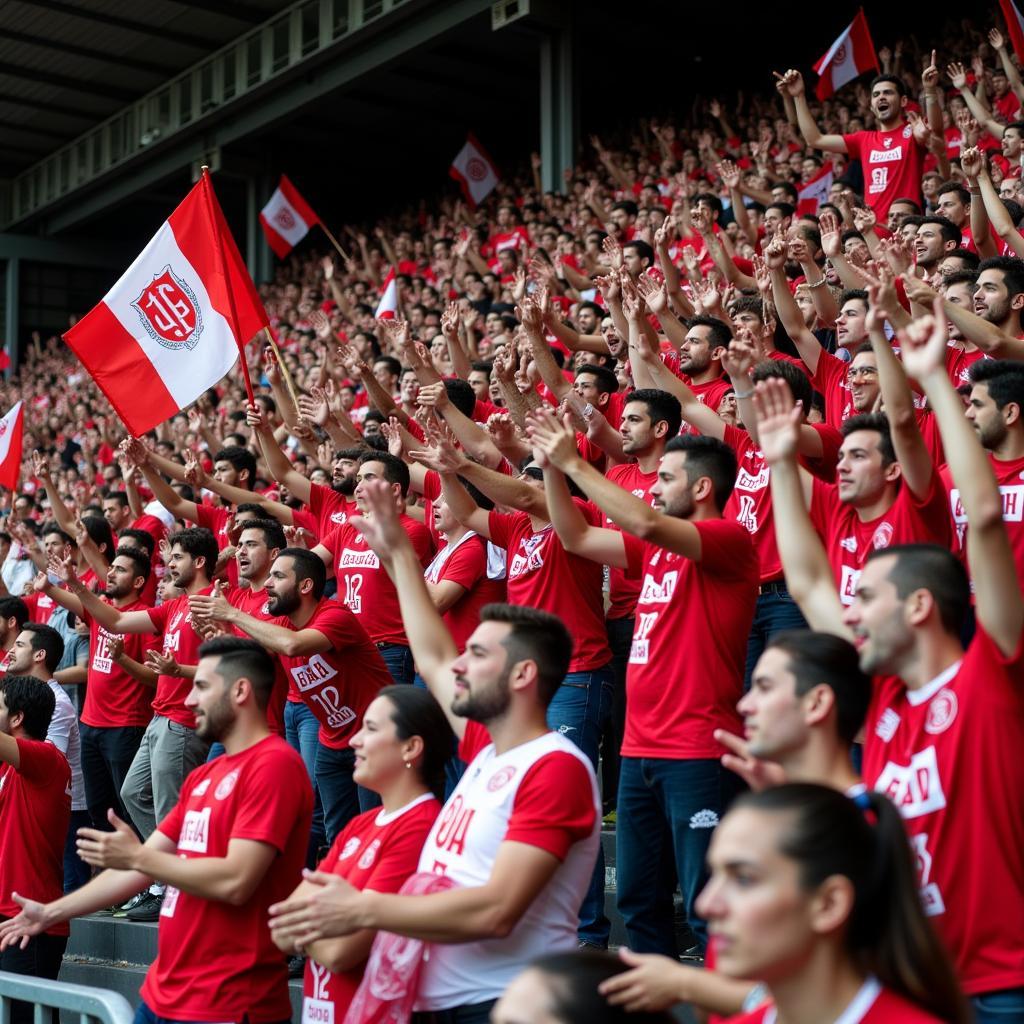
[[463, 845]]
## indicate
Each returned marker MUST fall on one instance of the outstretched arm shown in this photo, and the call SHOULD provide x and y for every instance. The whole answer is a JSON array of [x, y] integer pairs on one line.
[[808, 573], [1000, 606], [793, 84]]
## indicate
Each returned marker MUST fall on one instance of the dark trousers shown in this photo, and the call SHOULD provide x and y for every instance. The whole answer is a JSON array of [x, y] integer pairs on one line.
[[667, 812], [478, 1013], [76, 871], [620, 640], [107, 754], [775, 611], [342, 799], [398, 658], [144, 1015], [40, 959]]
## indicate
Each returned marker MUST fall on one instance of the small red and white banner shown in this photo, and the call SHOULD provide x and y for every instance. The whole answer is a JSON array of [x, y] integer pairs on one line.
[[849, 56], [387, 308], [814, 192], [475, 172], [11, 428], [176, 321], [286, 219], [1014, 26]]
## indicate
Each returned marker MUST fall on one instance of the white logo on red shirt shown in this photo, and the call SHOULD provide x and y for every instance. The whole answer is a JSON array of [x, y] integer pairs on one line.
[[941, 712], [886, 156], [316, 671], [195, 831], [654, 592], [358, 560], [225, 785], [916, 788], [747, 515], [350, 848], [886, 726], [369, 854], [747, 481], [201, 789], [882, 537], [849, 544], [533, 558]]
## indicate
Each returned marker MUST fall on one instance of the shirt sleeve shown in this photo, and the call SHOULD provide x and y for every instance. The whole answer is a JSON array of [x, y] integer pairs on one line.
[[432, 485], [401, 856], [853, 145], [212, 519], [271, 810], [726, 548], [500, 526], [467, 564], [38, 761], [635, 554], [158, 615], [554, 806], [474, 739]]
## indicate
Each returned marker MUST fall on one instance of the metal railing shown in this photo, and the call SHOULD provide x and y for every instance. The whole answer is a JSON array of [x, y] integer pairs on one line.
[[90, 1004], [253, 59]]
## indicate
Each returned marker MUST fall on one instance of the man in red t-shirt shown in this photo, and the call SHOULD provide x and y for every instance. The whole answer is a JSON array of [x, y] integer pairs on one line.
[[945, 725], [363, 585], [892, 157], [35, 809], [331, 664], [170, 746], [232, 845], [519, 835], [699, 589], [118, 692]]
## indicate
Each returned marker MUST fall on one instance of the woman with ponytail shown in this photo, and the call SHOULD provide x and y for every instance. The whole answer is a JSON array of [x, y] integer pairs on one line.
[[816, 895], [400, 751]]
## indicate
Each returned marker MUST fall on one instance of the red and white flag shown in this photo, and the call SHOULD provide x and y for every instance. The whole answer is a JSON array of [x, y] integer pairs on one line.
[[387, 308], [850, 55], [11, 427], [176, 321], [475, 172], [1014, 26], [813, 193], [286, 219]]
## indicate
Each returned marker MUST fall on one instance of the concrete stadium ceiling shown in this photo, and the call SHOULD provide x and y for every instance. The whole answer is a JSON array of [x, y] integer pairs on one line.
[[66, 65]]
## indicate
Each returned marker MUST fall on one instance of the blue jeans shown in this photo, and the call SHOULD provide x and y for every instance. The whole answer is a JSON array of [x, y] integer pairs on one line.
[[342, 799], [76, 871], [398, 658], [144, 1015], [301, 730], [666, 814], [775, 611], [578, 711], [1004, 1007], [620, 640]]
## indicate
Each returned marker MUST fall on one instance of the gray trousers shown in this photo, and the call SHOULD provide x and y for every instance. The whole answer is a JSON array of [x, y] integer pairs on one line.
[[167, 753]]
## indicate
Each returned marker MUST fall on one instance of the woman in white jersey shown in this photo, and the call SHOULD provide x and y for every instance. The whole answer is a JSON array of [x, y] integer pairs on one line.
[[401, 751], [816, 895]]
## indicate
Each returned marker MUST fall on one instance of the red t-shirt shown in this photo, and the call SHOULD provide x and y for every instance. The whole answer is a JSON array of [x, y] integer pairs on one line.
[[466, 565], [254, 603], [542, 574], [113, 697], [340, 683], [215, 518], [174, 620], [261, 794], [689, 647], [959, 361], [829, 378], [849, 540], [1010, 477], [948, 754], [35, 810], [375, 851], [40, 606], [623, 591], [893, 163], [885, 1008], [363, 583], [329, 508]]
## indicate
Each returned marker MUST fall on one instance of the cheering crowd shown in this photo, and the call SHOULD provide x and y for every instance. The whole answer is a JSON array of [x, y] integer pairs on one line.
[[689, 498]]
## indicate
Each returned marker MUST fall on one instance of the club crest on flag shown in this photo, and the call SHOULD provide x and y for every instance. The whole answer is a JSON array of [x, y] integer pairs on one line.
[[170, 311], [476, 169], [285, 219]]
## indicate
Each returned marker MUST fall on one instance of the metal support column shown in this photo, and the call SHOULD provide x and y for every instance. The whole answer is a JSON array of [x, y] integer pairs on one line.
[[252, 229], [558, 106], [11, 323]]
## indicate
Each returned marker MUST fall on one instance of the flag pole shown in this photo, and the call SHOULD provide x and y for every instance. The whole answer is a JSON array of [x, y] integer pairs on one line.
[[284, 369], [334, 241], [208, 195]]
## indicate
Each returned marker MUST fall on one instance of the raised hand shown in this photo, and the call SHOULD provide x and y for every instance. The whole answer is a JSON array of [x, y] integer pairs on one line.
[[972, 161], [40, 465], [63, 566], [830, 234], [738, 360], [213, 605], [613, 251], [957, 75], [729, 173], [898, 253], [756, 773], [919, 127], [195, 475], [441, 456], [255, 419], [161, 663], [792, 82], [314, 407], [864, 218], [996, 40], [553, 438], [380, 526], [778, 420], [450, 322], [775, 252], [930, 75], [501, 429], [653, 293]]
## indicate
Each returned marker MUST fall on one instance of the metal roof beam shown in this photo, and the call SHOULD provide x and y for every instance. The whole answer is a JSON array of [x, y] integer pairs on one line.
[[98, 17], [151, 67], [49, 108], [111, 92]]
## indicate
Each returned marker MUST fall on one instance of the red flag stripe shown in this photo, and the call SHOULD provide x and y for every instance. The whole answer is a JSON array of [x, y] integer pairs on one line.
[[122, 358], [301, 207], [278, 243], [1014, 26]]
